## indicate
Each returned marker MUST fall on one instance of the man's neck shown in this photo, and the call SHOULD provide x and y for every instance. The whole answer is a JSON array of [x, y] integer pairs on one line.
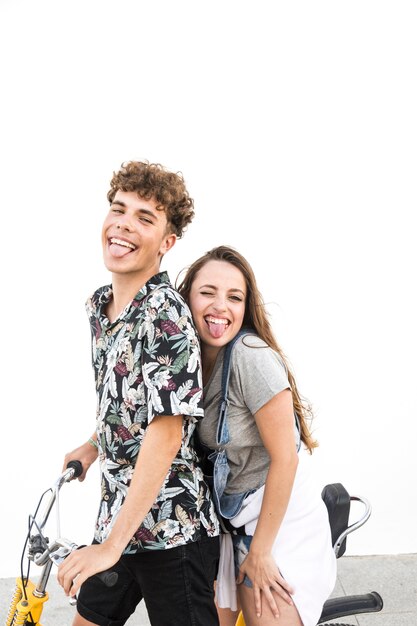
[[125, 287], [209, 357]]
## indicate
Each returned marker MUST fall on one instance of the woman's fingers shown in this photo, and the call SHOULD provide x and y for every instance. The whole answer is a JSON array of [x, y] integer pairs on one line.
[[266, 579], [258, 601], [284, 589], [265, 594], [271, 601]]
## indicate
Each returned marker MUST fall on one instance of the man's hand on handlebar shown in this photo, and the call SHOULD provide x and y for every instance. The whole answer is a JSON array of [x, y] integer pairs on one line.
[[83, 563], [86, 454]]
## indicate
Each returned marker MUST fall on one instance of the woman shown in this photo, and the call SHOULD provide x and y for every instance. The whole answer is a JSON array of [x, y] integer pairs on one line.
[[282, 552]]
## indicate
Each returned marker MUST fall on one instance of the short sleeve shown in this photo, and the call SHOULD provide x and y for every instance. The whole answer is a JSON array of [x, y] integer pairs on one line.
[[260, 372], [170, 360]]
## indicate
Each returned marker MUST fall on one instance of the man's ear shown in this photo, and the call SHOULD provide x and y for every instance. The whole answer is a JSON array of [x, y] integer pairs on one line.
[[167, 243]]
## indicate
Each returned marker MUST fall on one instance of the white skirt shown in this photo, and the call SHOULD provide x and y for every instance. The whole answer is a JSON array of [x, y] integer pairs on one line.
[[302, 549]]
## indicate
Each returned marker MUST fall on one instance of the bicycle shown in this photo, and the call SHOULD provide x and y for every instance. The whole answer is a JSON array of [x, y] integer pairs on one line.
[[338, 500], [28, 598]]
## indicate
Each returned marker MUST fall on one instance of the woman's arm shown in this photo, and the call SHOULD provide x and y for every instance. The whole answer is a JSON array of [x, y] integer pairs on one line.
[[160, 445], [275, 421]]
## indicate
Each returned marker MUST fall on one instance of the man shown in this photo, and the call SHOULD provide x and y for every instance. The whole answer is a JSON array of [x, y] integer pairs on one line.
[[156, 525]]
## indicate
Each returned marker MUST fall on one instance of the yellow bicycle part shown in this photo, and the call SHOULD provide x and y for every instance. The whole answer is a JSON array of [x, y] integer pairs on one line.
[[240, 620], [22, 608]]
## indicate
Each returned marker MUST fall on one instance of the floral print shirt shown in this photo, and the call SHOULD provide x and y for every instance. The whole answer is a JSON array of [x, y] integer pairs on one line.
[[147, 363]]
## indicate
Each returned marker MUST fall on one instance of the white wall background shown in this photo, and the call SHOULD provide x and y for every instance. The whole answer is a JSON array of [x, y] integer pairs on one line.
[[294, 124]]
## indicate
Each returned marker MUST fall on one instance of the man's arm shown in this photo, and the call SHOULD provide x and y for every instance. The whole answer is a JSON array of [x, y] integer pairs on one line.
[[86, 454], [160, 446]]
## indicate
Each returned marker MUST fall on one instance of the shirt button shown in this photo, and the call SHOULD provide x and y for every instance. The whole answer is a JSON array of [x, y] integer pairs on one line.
[[108, 332]]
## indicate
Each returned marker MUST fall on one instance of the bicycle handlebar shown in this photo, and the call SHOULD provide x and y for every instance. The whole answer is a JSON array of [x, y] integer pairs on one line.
[[41, 552], [77, 467]]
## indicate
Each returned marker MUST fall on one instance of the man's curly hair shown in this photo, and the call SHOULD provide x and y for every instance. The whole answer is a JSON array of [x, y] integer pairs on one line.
[[153, 181]]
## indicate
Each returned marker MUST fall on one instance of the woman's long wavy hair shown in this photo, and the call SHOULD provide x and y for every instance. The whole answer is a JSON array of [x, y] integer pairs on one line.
[[255, 318]]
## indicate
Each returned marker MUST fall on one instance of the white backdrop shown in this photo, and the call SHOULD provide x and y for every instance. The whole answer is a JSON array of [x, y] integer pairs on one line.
[[294, 124]]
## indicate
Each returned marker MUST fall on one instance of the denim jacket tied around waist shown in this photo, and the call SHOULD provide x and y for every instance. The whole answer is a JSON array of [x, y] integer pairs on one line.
[[228, 505]]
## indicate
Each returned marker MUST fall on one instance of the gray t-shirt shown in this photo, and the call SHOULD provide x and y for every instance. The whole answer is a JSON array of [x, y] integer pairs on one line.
[[257, 374]]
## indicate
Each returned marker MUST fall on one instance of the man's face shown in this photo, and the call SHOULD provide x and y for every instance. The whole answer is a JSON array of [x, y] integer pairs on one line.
[[134, 236]]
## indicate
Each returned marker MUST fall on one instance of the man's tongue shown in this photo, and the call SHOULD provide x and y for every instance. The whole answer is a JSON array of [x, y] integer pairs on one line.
[[216, 330], [119, 251]]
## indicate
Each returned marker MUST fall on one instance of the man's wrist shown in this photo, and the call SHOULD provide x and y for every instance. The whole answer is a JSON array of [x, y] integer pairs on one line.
[[93, 443], [115, 546]]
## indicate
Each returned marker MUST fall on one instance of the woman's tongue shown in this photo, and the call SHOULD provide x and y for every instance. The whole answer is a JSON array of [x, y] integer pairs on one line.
[[216, 330]]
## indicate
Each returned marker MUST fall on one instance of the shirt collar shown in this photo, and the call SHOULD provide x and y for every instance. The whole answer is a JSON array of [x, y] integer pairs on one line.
[[103, 295], [153, 283]]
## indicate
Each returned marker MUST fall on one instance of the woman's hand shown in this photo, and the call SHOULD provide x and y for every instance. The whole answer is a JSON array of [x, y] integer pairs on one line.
[[86, 454], [265, 576], [83, 563]]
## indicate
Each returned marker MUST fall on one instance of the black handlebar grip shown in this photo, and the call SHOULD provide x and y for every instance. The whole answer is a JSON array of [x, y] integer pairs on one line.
[[108, 577], [77, 467]]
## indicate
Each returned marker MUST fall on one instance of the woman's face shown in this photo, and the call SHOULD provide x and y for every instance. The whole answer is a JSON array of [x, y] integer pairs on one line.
[[217, 302]]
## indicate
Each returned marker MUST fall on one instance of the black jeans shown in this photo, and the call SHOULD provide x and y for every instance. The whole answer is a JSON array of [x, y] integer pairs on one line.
[[176, 585]]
